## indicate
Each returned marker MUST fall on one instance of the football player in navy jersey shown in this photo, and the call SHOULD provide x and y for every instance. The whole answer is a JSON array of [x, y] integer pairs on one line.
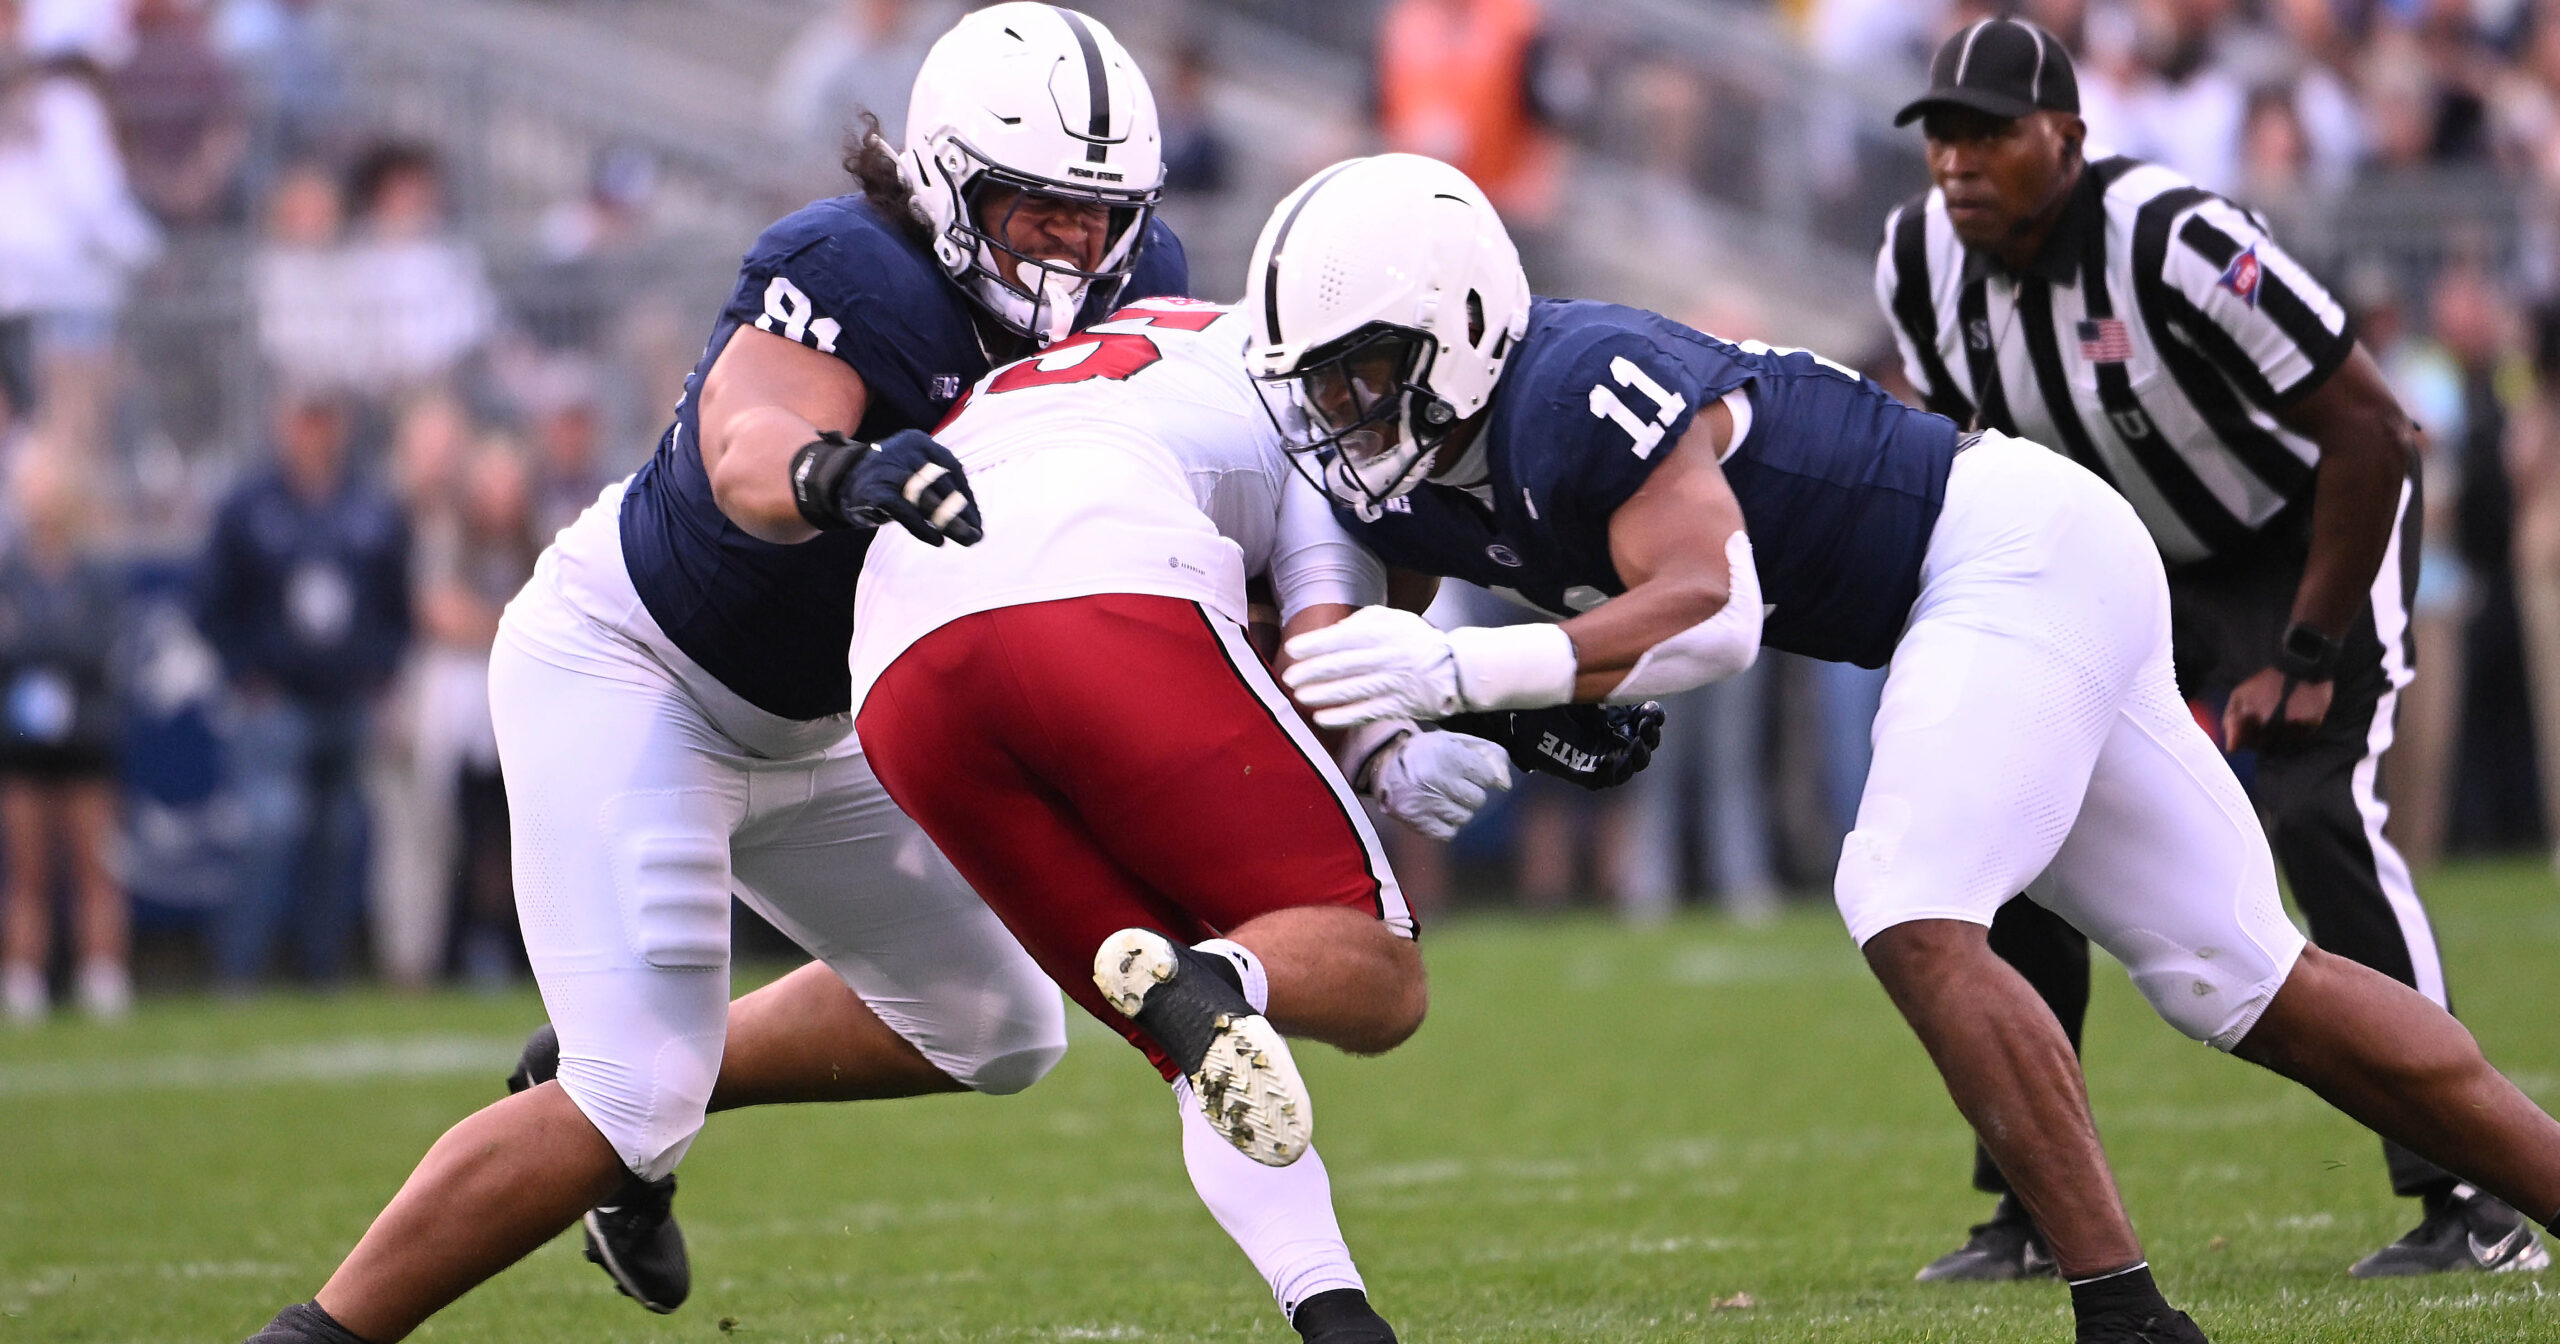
[[1678, 501], [671, 691]]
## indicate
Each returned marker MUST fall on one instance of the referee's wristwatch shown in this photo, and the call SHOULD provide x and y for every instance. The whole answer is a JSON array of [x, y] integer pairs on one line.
[[2307, 654]]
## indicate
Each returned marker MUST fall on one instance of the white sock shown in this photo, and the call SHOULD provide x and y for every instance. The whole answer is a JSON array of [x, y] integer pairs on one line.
[[106, 989], [27, 999], [1281, 1217], [1257, 984]]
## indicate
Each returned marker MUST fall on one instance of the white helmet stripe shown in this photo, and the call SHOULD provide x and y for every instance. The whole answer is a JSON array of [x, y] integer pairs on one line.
[[1280, 243], [1097, 87]]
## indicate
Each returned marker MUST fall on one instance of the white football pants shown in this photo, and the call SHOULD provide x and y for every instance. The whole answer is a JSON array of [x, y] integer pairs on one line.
[[637, 812], [2032, 739]]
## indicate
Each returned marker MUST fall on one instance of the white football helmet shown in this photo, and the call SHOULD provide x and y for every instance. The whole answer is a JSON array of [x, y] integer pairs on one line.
[[1384, 296], [1044, 101]]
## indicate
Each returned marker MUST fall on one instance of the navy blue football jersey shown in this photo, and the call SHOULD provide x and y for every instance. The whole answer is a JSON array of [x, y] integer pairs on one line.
[[773, 621], [1839, 483]]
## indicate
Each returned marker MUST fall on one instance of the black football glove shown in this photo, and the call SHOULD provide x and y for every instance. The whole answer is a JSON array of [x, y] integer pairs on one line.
[[906, 478], [1595, 746]]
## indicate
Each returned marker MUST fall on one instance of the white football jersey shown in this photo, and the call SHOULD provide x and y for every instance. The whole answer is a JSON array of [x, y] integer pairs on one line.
[[1135, 457]]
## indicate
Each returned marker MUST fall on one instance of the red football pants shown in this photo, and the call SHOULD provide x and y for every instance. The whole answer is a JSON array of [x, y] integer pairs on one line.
[[1118, 761]]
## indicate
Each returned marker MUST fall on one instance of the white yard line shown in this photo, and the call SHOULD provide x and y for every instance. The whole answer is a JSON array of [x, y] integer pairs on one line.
[[351, 1059]]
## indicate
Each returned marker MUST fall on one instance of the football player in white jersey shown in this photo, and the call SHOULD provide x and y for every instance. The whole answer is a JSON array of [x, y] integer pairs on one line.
[[1184, 858]]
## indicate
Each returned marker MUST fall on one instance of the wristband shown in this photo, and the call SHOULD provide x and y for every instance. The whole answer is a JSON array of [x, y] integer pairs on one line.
[[817, 479], [1513, 666]]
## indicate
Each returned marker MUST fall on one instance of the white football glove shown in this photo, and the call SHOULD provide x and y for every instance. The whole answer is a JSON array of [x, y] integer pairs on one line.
[[1382, 663], [1436, 782]]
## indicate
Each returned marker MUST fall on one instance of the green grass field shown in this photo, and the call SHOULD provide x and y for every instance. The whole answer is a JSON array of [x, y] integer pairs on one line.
[[1600, 1135]]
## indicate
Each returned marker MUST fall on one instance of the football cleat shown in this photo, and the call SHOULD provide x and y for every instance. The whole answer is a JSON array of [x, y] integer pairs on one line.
[[539, 1062], [634, 1239], [2464, 1229], [1239, 1066], [2006, 1248], [1341, 1316], [2165, 1326], [636, 1242]]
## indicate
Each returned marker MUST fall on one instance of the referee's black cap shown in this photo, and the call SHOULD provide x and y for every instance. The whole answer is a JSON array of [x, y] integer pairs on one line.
[[2006, 67]]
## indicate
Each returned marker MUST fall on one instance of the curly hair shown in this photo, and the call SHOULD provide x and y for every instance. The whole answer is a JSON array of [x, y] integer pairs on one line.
[[873, 162]]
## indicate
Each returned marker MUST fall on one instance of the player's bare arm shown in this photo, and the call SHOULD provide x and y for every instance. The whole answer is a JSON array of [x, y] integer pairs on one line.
[[2366, 446], [1668, 542], [1678, 546], [765, 397]]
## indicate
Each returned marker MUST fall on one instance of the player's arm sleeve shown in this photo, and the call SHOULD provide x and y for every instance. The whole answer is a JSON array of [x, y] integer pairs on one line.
[[2253, 310], [1314, 561]]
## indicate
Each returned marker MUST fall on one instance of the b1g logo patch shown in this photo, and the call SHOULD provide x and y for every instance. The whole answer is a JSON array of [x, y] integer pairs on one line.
[[2242, 275]]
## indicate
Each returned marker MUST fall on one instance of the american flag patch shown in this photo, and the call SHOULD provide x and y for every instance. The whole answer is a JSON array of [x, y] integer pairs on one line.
[[2105, 341]]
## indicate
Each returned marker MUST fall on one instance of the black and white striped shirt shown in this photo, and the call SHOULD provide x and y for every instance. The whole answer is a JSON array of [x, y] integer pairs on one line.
[[2165, 377]]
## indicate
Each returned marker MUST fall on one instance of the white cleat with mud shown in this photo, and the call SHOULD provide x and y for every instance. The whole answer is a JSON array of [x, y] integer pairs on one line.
[[1238, 1063]]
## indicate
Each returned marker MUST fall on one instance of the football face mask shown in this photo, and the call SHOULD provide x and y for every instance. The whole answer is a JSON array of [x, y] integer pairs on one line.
[[1038, 250], [1359, 417]]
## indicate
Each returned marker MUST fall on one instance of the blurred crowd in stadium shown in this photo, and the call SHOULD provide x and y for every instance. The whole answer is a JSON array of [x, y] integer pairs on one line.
[[298, 374]]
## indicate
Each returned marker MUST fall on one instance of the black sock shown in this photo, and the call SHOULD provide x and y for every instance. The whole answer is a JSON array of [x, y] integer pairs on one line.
[[1344, 1313], [2126, 1292], [305, 1323], [2553, 1222]]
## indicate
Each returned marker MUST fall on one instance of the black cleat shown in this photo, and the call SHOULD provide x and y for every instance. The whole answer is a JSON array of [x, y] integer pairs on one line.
[[2464, 1229], [1341, 1316], [2007, 1248], [305, 1323], [2165, 1326], [636, 1241], [1248, 1086], [540, 1062]]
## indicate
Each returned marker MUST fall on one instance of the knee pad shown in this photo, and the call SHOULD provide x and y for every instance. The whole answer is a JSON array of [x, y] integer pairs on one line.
[[1022, 1042], [670, 865], [1005, 1074], [2211, 994], [649, 1112], [1014, 1032]]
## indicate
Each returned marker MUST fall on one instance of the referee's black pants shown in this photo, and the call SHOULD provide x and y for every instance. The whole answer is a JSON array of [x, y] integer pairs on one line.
[[2321, 800]]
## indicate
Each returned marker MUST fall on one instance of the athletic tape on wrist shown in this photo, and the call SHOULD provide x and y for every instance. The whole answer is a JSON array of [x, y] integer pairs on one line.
[[1513, 666], [818, 472], [1365, 747]]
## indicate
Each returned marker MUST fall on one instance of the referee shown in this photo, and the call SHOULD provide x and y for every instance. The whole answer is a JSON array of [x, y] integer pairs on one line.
[[2152, 331]]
